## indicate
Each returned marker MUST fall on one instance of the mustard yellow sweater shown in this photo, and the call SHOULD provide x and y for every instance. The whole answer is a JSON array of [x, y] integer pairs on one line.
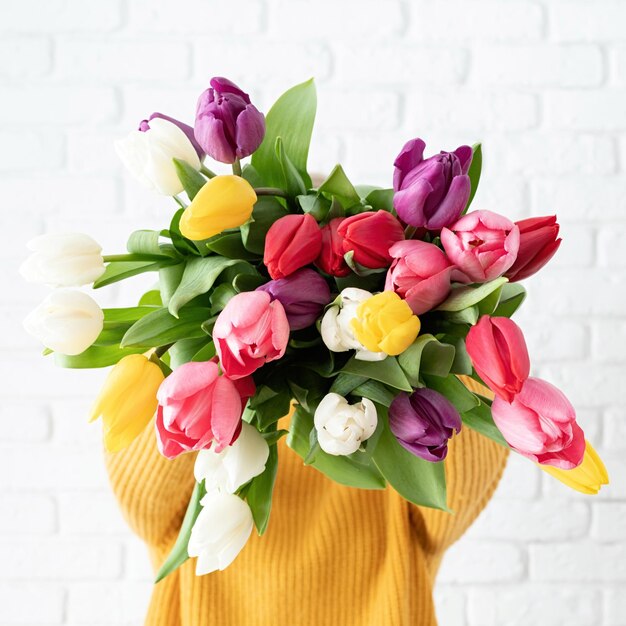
[[331, 556]]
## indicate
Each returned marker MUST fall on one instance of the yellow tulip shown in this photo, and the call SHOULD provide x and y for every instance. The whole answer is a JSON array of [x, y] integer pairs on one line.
[[385, 323], [127, 401], [587, 478], [223, 202]]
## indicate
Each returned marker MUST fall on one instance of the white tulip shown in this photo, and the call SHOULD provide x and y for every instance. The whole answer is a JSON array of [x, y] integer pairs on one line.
[[341, 427], [220, 532], [236, 464], [67, 321], [336, 326], [63, 260], [148, 155]]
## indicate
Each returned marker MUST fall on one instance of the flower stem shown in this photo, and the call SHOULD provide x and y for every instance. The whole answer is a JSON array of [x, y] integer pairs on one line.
[[110, 258], [207, 172], [270, 191], [409, 231], [161, 350], [237, 167], [180, 203]]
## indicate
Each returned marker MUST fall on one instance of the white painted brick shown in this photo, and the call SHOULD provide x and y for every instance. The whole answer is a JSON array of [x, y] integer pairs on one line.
[[489, 21], [578, 247], [599, 110], [24, 422], [450, 605], [615, 607], [538, 65], [24, 57], [31, 604], [608, 341], [548, 341], [92, 151], [118, 61], [520, 480], [501, 190], [137, 561], [615, 429], [90, 514], [618, 64], [70, 421], [609, 521], [21, 149], [113, 603], [25, 514], [586, 21], [610, 246], [141, 101], [358, 110]]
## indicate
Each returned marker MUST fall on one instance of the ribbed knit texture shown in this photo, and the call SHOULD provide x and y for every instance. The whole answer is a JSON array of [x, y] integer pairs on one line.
[[331, 556]]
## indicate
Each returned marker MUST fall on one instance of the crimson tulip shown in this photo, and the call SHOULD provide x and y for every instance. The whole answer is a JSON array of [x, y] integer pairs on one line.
[[330, 259]]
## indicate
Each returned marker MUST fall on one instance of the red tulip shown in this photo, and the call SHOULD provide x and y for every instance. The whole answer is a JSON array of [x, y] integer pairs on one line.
[[537, 245], [499, 355], [369, 236], [292, 242], [330, 259]]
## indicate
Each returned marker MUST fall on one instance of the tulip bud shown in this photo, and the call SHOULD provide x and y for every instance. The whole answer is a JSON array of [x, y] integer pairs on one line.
[[482, 244], [369, 235], [220, 531], [330, 259], [540, 424], [148, 155], [67, 321], [144, 126], [63, 260], [222, 202], [292, 242], [423, 422], [128, 400], [385, 323], [537, 245], [341, 427], [228, 126], [498, 352], [303, 294], [433, 192], [236, 464]]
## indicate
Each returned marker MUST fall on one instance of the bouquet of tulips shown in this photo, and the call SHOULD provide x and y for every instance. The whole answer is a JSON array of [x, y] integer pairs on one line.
[[356, 307]]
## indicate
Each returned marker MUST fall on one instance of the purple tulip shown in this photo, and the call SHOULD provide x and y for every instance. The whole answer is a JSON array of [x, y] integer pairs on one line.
[[228, 126], [423, 422], [303, 294], [431, 193], [144, 125]]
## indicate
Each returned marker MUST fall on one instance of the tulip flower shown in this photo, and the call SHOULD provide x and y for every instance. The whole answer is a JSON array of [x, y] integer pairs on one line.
[[228, 126], [433, 192], [63, 260], [423, 422], [128, 400], [303, 294], [220, 531], [482, 244], [198, 408], [336, 327], [385, 323], [420, 274], [292, 242], [369, 235], [498, 352], [587, 478], [251, 330], [222, 202], [144, 126], [148, 155], [236, 464], [67, 321], [341, 427], [540, 424], [537, 245], [331, 259]]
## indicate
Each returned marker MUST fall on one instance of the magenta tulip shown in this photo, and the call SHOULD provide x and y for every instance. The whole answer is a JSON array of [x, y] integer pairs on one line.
[[540, 424]]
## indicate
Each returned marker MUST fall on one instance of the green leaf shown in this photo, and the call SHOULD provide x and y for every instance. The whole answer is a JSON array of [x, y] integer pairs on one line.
[[316, 205], [127, 314], [420, 482], [465, 296], [466, 316], [345, 383], [375, 391], [266, 211], [338, 186], [388, 372], [169, 279], [259, 496], [453, 389], [179, 554], [271, 401], [147, 242], [511, 298], [161, 328], [120, 270], [479, 419], [426, 355], [184, 350], [462, 364], [189, 177], [247, 282], [488, 305], [199, 275], [474, 171], [183, 245], [381, 199], [95, 356], [355, 470], [230, 246], [293, 183], [221, 296], [206, 353], [151, 298], [291, 118]]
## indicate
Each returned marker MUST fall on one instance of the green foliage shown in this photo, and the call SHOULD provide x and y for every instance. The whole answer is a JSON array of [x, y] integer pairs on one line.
[[453, 389], [339, 187], [95, 356], [463, 297], [190, 178], [426, 355], [474, 171], [511, 298], [388, 372], [479, 419], [259, 493], [120, 270]]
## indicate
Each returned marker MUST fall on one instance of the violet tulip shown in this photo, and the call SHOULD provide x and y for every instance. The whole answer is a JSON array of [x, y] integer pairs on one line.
[[498, 352], [423, 422], [251, 331], [482, 244], [228, 126], [540, 424], [330, 259], [420, 273], [433, 192], [144, 126], [537, 245], [303, 294]]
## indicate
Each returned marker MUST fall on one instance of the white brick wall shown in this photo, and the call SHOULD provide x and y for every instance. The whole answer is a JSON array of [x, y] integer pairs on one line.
[[541, 82]]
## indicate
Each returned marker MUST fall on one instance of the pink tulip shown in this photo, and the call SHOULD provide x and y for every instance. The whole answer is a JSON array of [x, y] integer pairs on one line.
[[420, 274], [251, 331], [198, 408], [498, 352], [482, 244], [541, 425]]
